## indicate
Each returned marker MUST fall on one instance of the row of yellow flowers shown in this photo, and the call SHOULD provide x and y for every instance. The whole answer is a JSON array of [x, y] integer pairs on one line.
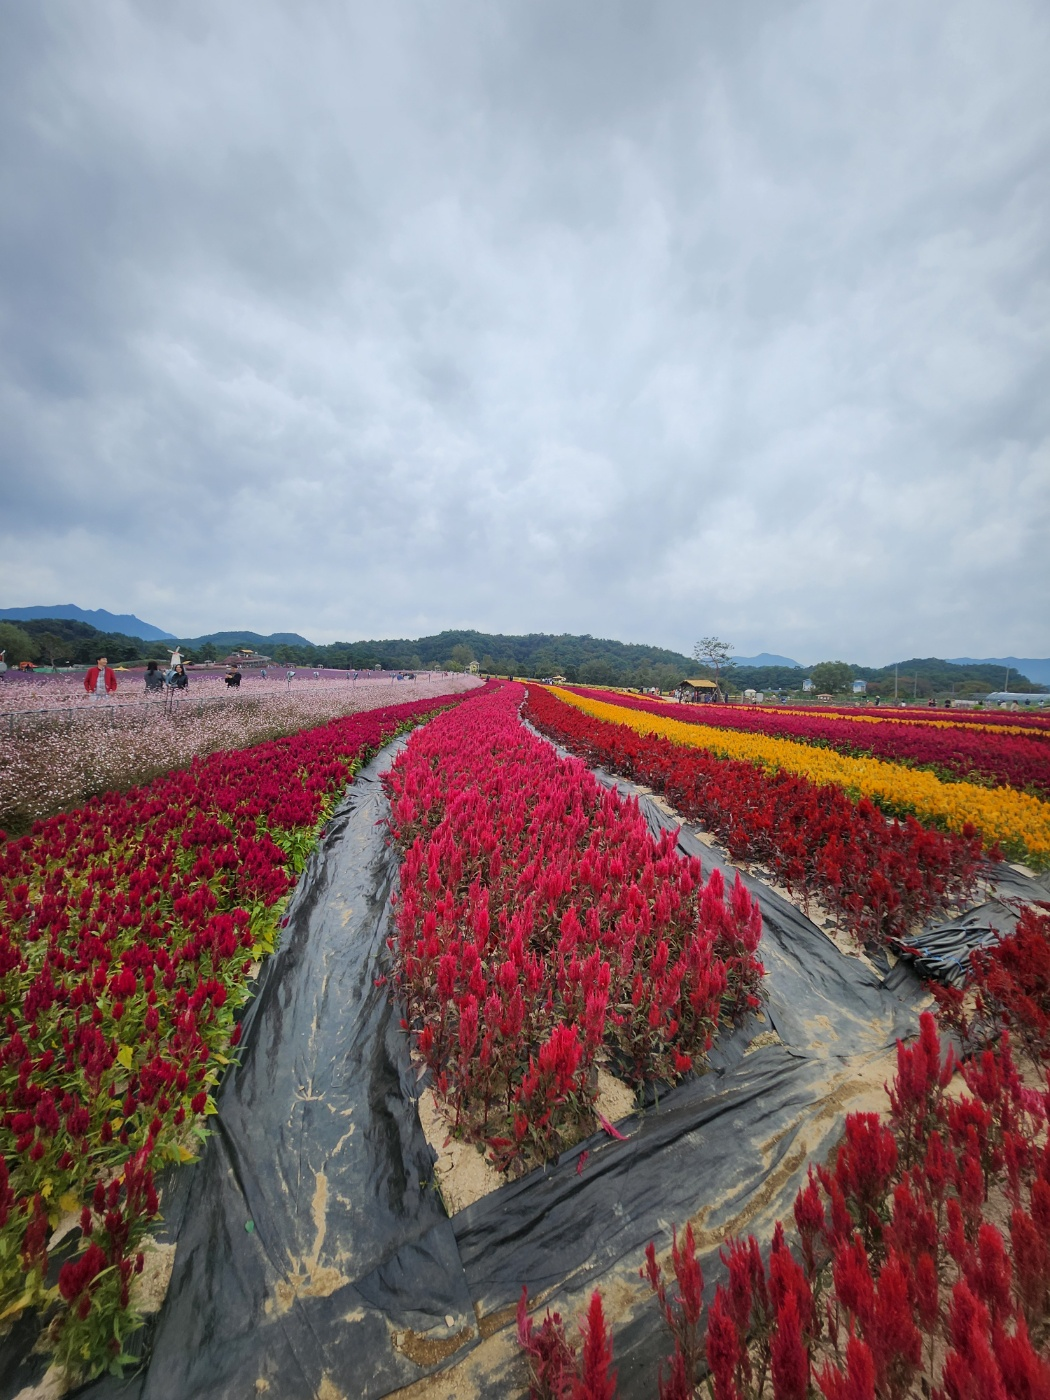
[[1000, 814]]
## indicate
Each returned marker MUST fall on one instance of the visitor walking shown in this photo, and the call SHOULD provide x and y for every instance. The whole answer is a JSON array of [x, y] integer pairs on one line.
[[101, 679]]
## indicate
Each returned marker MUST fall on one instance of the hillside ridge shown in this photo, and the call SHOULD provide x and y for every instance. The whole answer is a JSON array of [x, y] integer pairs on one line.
[[126, 624]]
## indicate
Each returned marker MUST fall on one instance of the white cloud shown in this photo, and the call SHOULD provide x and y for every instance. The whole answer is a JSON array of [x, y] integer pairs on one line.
[[642, 322]]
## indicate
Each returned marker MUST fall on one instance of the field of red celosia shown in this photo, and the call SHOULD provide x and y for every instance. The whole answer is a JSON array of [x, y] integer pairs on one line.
[[542, 931], [129, 928], [958, 750], [922, 1263], [880, 874]]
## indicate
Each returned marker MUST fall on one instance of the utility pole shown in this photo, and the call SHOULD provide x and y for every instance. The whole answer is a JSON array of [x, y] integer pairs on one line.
[[896, 668], [1006, 678]]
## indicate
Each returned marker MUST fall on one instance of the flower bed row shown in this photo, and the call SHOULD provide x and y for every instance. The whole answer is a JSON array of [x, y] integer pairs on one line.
[[922, 1262], [1017, 820], [1032, 723], [58, 762], [881, 875], [952, 752], [127, 931], [541, 930]]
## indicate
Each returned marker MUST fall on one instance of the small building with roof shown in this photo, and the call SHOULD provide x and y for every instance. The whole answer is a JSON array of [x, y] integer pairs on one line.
[[246, 657], [698, 690]]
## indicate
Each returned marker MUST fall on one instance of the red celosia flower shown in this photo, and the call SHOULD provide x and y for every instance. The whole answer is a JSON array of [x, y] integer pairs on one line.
[[788, 1353], [596, 1382]]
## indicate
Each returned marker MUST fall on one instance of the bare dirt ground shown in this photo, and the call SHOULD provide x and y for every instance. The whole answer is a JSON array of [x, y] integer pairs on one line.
[[463, 1173]]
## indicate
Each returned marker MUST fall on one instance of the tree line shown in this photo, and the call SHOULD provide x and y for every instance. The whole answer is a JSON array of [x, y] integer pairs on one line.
[[581, 659]]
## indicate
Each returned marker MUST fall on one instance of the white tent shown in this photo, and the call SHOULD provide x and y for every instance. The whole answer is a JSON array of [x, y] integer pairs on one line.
[[1018, 697]]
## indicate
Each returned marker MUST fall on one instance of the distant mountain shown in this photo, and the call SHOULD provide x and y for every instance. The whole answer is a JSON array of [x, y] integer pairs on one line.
[[255, 640], [765, 658], [125, 623], [1035, 668]]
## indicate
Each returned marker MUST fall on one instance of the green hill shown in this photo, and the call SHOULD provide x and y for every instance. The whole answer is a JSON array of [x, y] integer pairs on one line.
[[70, 642], [109, 624], [929, 675], [228, 641], [596, 660]]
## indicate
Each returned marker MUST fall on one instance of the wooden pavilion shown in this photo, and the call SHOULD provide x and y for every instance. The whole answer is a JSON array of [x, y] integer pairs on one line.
[[699, 690]]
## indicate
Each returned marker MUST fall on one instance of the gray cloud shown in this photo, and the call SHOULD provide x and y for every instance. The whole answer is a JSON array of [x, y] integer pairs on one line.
[[641, 321]]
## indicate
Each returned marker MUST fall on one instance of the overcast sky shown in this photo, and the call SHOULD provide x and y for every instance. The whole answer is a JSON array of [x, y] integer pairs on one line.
[[648, 320]]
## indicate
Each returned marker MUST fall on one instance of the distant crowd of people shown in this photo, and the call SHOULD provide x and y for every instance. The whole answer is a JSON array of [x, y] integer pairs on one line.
[[100, 680]]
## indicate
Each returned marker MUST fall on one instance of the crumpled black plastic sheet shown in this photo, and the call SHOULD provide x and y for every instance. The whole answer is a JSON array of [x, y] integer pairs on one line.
[[941, 951], [314, 1258], [1008, 883]]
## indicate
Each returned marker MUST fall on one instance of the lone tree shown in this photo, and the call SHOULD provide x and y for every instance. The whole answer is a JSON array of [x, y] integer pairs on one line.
[[829, 677], [709, 651], [56, 649], [18, 645]]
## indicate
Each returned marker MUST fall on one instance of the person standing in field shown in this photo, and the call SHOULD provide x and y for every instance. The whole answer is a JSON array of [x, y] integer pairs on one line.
[[101, 679], [154, 679]]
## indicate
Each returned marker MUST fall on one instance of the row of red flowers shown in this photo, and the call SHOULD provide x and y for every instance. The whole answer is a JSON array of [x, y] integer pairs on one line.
[[541, 930], [922, 1259], [1036, 720], [127, 932], [1009, 760], [880, 874]]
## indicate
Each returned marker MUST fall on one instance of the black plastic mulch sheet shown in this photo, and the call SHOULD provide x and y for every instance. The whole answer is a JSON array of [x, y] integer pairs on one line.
[[941, 951], [314, 1258]]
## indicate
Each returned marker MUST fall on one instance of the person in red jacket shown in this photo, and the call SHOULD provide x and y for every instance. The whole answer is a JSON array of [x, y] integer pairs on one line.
[[100, 679]]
